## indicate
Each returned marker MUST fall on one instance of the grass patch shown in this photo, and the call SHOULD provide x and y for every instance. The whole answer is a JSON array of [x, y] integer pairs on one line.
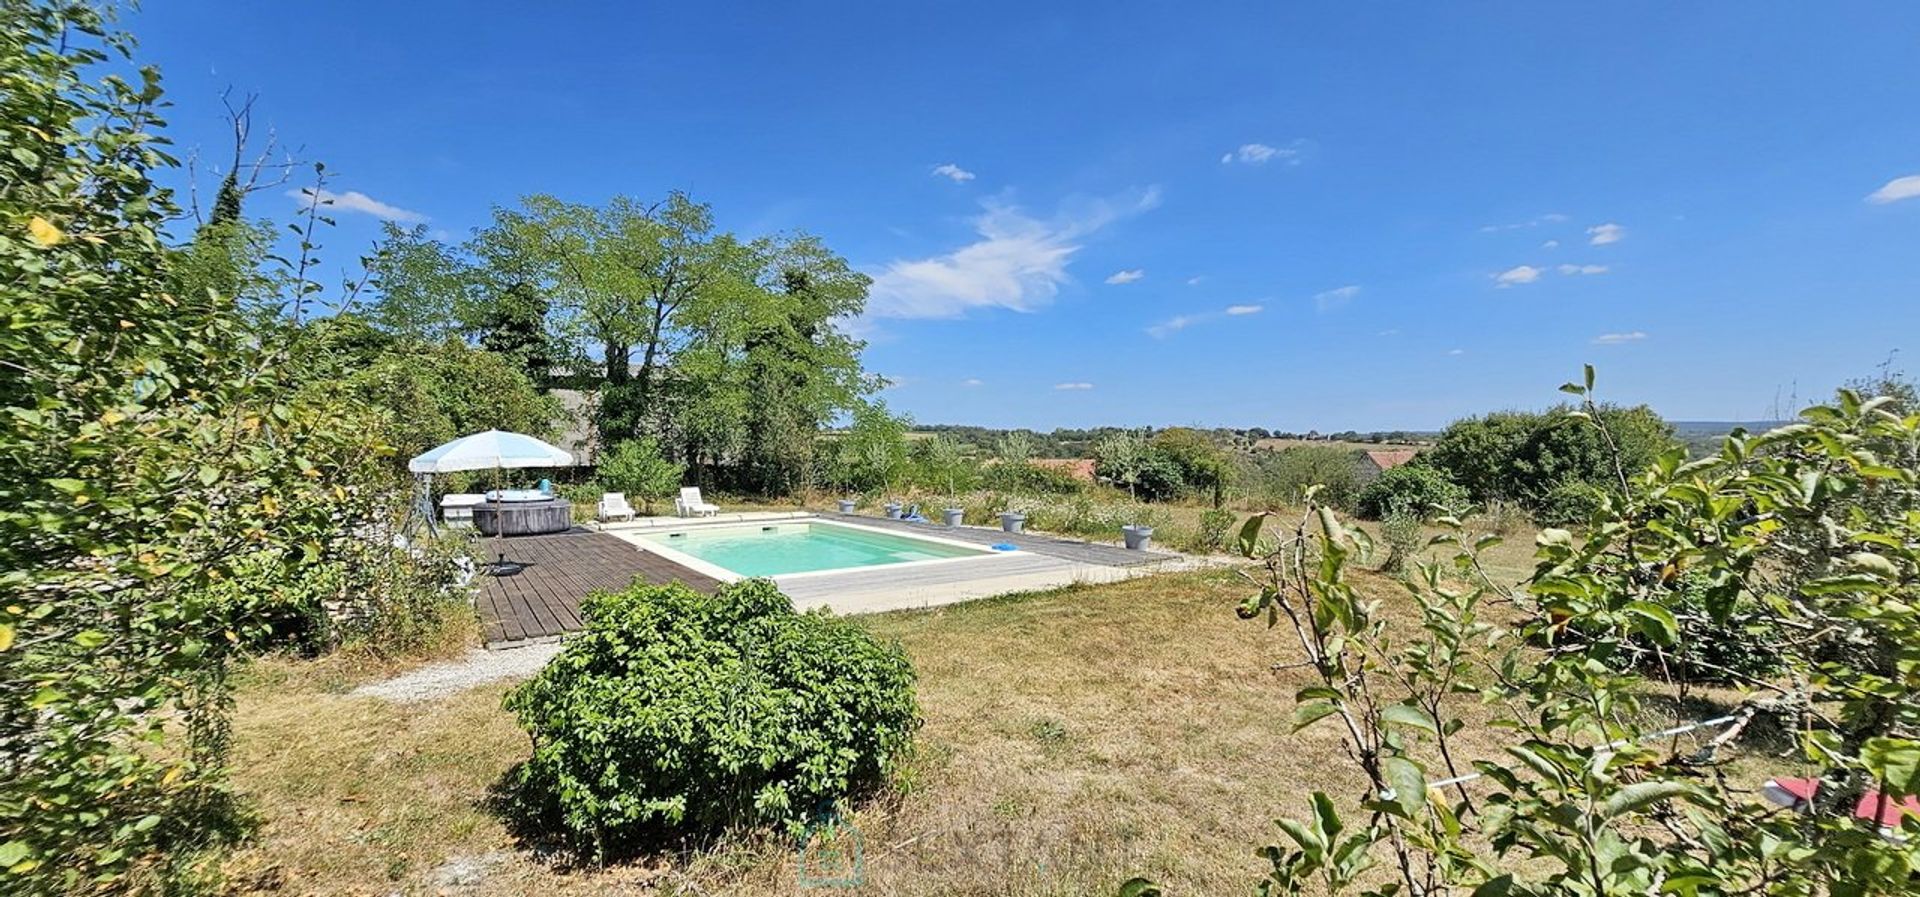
[[1074, 738]]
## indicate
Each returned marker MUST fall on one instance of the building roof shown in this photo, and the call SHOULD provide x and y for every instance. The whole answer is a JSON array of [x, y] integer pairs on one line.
[[1078, 468], [1388, 459]]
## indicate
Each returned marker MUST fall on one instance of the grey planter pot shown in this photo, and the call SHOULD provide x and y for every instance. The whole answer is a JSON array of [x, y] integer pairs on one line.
[[893, 510], [847, 505], [1139, 538], [954, 515], [1013, 522]]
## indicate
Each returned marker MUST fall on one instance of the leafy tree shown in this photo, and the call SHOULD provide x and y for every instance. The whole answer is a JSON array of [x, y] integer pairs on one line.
[[1589, 798], [635, 467], [1414, 489], [1541, 459], [421, 285], [944, 464], [423, 396], [872, 453], [1203, 466], [152, 454], [1282, 477]]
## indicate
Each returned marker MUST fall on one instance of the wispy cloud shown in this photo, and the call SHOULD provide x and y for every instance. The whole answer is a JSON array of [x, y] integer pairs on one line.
[[1548, 218], [1261, 154], [1195, 280], [973, 381], [1895, 190], [953, 173], [1019, 262], [1178, 323], [1615, 339], [354, 201], [1336, 297], [1173, 325], [1550, 244], [1582, 269], [1517, 275], [1456, 351], [1072, 386], [1120, 277], [1603, 234]]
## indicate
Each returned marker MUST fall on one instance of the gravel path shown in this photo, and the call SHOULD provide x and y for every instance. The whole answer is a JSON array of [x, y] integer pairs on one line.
[[479, 667]]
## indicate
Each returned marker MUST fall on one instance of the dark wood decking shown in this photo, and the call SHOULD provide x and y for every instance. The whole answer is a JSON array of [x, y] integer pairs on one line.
[[543, 599]]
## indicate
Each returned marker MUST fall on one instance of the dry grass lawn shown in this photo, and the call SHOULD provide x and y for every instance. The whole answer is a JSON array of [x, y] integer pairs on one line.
[[1073, 739]]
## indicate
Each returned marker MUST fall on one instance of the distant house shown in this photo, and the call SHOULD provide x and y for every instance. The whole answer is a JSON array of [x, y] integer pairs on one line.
[[1375, 463]]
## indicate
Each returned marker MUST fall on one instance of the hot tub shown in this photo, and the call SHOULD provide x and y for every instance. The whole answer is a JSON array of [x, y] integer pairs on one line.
[[523, 518]]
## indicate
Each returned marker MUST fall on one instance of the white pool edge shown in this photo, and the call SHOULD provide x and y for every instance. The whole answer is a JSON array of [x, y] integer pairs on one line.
[[708, 568]]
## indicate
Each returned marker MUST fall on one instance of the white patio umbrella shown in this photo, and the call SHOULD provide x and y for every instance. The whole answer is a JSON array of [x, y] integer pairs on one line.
[[489, 450]]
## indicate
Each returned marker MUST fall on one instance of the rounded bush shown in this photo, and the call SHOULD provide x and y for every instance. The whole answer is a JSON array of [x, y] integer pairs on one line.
[[1409, 488], [676, 713]]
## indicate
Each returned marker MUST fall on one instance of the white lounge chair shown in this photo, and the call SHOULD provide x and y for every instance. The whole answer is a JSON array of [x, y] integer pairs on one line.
[[613, 506], [690, 504]]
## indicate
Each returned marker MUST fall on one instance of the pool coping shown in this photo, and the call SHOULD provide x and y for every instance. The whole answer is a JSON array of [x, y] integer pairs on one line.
[[638, 538]]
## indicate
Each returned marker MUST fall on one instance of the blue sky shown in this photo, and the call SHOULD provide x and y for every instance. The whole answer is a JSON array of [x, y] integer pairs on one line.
[[1301, 215]]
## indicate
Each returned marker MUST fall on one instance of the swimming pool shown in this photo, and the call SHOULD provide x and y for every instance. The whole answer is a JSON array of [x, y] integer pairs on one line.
[[778, 549]]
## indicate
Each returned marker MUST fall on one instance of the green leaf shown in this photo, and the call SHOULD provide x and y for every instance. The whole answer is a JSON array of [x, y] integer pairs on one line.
[[1640, 795], [1893, 761], [1305, 715], [1250, 534], [1499, 886], [1140, 887], [13, 852], [1657, 622], [1408, 715], [1409, 784]]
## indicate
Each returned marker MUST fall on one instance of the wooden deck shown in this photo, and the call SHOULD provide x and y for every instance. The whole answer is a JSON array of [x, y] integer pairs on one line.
[[543, 599]]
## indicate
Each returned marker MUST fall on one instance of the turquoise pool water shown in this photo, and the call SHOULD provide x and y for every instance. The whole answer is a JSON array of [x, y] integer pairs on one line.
[[775, 549]]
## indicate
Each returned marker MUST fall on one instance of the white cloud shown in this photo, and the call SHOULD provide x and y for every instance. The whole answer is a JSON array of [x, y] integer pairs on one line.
[[354, 201], [1173, 325], [1335, 297], [1550, 244], [1456, 351], [1195, 280], [1895, 190], [1178, 323], [1548, 218], [1120, 277], [1019, 262], [953, 173], [1073, 386], [973, 381], [1394, 332], [1582, 269], [1261, 154], [1518, 274], [1606, 233], [1615, 339]]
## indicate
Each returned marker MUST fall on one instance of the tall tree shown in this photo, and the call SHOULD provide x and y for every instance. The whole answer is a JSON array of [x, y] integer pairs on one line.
[[421, 285]]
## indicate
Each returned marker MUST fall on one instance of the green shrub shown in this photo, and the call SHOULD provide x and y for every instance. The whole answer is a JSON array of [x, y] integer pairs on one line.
[[1401, 531], [1415, 488], [636, 469], [1032, 479], [1215, 526], [675, 713], [1088, 515], [1284, 476], [1567, 503]]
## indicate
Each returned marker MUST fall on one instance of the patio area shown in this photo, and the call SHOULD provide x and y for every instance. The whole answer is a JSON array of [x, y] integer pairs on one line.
[[542, 602]]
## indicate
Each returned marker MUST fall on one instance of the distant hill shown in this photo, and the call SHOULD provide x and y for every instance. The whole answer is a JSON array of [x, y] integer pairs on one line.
[[1703, 436]]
